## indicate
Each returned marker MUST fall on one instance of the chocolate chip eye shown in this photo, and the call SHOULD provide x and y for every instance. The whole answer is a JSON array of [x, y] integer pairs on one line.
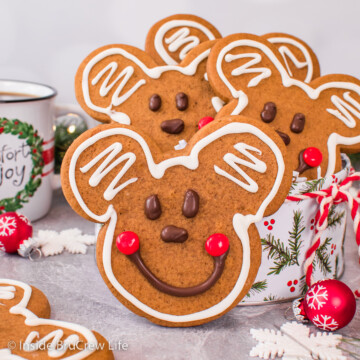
[[152, 207], [182, 101], [191, 204], [155, 102], [298, 123], [269, 112]]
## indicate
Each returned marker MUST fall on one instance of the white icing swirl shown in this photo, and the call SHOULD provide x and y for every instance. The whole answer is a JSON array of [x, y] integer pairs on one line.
[[179, 38]]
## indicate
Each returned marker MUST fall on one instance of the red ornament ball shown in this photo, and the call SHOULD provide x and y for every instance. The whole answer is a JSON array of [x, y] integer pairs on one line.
[[329, 304], [204, 121], [217, 244], [312, 156], [15, 231], [128, 242]]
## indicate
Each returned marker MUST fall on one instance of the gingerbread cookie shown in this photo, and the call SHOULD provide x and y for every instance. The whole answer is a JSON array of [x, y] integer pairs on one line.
[[316, 121], [179, 245], [170, 39], [123, 84], [26, 332], [300, 60]]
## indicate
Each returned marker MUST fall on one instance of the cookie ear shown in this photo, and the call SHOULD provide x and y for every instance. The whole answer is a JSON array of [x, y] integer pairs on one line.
[[243, 61], [338, 101], [110, 157], [300, 60], [245, 162], [169, 40], [110, 77]]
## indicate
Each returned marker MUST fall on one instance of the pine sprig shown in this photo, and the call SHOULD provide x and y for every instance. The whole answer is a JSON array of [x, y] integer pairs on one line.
[[295, 236], [323, 258], [336, 274], [292, 187], [303, 285], [334, 218], [278, 252], [257, 288], [269, 298], [311, 186]]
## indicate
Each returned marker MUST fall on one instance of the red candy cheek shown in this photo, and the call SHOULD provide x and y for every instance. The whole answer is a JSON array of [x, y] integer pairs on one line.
[[217, 244], [127, 243], [312, 156], [204, 121]]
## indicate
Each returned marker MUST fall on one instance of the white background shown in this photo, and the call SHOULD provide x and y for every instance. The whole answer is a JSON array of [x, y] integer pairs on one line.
[[46, 40]]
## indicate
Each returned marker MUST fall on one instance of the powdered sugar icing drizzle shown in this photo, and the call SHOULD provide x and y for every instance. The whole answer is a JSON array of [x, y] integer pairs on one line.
[[7, 293], [178, 39], [285, 51], [255, 164]]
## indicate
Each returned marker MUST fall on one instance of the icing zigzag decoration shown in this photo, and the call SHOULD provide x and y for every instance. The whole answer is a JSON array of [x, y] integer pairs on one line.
[[171, 39], [300, 60], [26, 332]]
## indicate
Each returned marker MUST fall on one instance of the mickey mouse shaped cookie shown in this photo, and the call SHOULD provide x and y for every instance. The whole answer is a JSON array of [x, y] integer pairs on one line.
[[123, 84], [316, 120], [26, 332], [179, 245]]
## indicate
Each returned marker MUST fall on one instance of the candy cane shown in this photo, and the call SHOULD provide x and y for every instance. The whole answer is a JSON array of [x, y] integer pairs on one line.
[[335, 194]]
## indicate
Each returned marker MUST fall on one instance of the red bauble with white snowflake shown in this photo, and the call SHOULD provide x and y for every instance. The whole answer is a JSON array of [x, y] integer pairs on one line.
[[16, 234], [329, 304]]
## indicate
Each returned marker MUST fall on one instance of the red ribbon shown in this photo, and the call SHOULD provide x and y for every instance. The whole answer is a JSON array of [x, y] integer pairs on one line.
[[335, 194]]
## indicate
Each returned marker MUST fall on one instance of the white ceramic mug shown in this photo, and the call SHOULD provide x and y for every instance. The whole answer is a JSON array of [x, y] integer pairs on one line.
[[27, 114]]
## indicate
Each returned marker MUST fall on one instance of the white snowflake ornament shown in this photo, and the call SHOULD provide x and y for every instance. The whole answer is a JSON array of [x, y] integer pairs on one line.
[[325, 322], [317, 297], [7, 225], [329, 304], [72, 240], [272, 344]]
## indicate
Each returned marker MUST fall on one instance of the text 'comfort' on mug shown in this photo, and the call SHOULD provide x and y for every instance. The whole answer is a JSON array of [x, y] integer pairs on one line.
[[27, 114]]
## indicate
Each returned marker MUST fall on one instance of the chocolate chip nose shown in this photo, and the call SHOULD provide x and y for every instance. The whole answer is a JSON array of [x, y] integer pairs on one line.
[[174, 126], [285, 137], [173, 233]]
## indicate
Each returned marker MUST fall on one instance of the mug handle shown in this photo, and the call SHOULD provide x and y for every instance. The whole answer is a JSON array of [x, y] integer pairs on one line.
[[63, 109]]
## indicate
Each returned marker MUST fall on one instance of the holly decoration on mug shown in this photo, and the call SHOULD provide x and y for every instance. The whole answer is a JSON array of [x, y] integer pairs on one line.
[[16, 236], [328, 304], [27, 132]]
